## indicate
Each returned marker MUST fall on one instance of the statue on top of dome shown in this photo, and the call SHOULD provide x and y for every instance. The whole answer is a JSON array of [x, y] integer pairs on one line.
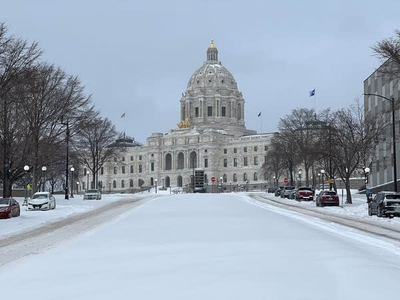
[[186, 123]]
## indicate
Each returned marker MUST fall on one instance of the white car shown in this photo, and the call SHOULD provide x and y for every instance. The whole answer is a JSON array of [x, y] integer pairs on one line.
[[92, 195], [42, 200]]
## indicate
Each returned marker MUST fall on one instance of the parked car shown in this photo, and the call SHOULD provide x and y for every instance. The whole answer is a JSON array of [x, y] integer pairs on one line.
[[385, 204], [42, 201], [278, 191], [292, 194], [200, 190], [271, 190], [285, 191], [327, 198], [304, 193], [94, 194], [9, 208]]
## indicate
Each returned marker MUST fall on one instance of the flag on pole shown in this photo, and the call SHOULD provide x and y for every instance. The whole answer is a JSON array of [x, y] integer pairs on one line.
[[312, 93], [259, 115], [123, 115]]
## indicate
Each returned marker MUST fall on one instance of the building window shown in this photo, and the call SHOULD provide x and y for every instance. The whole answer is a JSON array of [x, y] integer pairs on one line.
[[115, 159], [245, 149], [234, 177], [196, 111], [255, 160], [265, 148], [245, 161], [130, 183], [206, 163], [123, 169], [234, 150], [114, 184], [123, 158], [244, 176], [131, 168], [225, 162], [225, 178], [255, 177], [152, 166], [235, 162], [209, 111], [223, 111], [140, 168], [255, 148], [140, 157], [115, 170], [131, 158], [225, 151], [122, 183]]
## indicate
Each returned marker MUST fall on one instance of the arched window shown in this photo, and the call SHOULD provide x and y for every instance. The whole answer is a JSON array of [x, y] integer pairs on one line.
[[234, 177], [167, 181], [140, 182], [122, 183], [255, 176], [193, 160], [179, 181], [181, 161], [168, 162], [225, 178], [114, 184], [244, 176], [151, 181], [131, 183]]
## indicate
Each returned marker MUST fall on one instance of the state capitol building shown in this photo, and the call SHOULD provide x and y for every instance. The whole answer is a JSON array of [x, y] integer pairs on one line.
[[211, 135]]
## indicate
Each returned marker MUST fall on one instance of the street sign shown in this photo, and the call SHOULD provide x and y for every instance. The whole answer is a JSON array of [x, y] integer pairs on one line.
[[286, 180], [213, 179]]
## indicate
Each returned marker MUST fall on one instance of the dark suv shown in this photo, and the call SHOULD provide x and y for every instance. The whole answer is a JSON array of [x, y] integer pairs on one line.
[[385, 204]]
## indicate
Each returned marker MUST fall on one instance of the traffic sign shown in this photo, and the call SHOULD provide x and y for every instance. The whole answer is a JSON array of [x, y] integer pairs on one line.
[[286, 180], [213, 179]]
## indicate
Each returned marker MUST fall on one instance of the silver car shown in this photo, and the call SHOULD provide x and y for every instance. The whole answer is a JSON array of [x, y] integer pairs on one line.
[[92, 195]]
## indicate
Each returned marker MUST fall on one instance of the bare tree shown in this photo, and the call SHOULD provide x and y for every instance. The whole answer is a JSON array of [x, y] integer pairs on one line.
[[354, 137], [388, 52], [95, 144], [16, 55]]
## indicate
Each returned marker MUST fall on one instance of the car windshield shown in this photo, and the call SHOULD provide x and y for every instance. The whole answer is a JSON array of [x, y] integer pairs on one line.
[[4, 201], [392, 196], [289, 188], [92, 191], [304, 189], [39, 196]]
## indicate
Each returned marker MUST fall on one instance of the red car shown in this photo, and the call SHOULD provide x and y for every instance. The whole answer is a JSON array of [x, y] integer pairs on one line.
[[327, 198], [9, 208], [304, 193]]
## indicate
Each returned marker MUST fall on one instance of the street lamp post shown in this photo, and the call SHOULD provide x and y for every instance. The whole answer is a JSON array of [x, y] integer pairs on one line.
[[87, 184], [391, 100], [72, 182], [77, 187], [299, 177], [220, 180], [109, 187], [44, 169], [26, 169], [323, 180], [155, 185], [319, 180]]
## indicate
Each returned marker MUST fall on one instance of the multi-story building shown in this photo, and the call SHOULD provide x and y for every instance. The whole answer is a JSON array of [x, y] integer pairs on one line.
[[211, 135], [382, 163]]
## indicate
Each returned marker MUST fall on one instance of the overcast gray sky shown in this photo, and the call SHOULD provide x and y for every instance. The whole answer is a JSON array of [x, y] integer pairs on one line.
[[136, 57]]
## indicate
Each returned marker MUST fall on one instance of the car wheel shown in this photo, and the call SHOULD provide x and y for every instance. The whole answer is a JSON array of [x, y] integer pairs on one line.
[[369, 211], [379, 211]]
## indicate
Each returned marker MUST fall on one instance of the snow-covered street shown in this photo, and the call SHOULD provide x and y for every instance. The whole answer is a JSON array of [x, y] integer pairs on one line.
[[214, 246]]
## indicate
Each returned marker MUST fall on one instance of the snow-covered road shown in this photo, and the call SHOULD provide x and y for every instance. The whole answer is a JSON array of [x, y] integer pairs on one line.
[[209, 246]]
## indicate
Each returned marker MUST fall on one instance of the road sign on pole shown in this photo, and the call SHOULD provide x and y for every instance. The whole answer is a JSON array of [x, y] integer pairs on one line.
[[213, 179], [286, 180]]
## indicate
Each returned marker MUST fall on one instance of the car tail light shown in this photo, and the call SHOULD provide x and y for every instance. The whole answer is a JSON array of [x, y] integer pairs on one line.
[[384, 202]]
